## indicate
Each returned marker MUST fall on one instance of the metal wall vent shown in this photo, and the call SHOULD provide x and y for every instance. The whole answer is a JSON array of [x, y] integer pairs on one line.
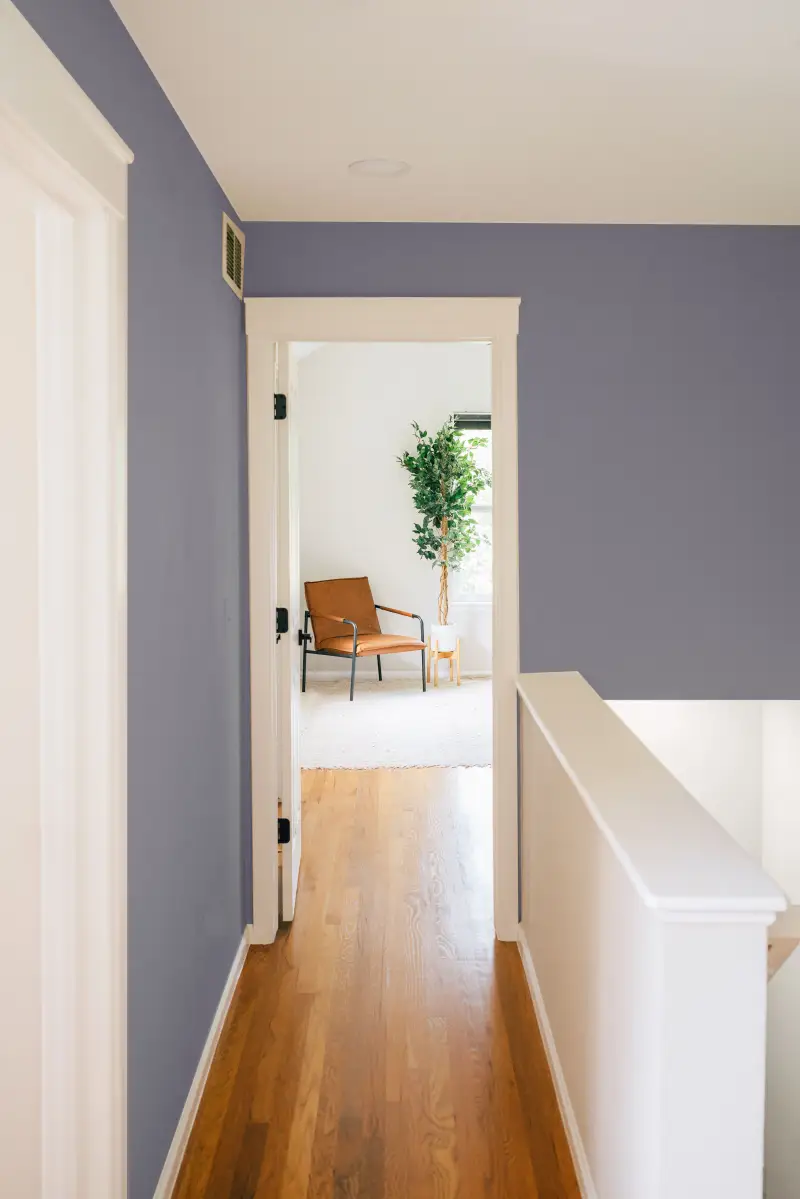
[[473, 421], [232, 255]]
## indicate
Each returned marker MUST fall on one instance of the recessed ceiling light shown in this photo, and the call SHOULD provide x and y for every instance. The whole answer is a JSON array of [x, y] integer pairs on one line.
[[379, 168]]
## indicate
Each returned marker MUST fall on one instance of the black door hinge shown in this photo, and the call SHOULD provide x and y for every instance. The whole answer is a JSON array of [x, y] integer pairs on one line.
[[302, 637], [281, 621], [280, 406], [284, 830]]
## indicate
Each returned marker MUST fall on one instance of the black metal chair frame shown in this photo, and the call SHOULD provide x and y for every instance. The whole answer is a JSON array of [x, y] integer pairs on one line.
[[335, 653]]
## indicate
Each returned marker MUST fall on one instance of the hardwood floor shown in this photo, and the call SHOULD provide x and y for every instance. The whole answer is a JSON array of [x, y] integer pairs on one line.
[[385, 1047]]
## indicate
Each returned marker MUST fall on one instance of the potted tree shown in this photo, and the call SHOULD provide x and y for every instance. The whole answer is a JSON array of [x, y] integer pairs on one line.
[[445, 480]]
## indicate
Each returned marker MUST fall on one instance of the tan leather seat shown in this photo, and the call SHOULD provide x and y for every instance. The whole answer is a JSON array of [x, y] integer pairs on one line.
[[372, 643], [349, 599]]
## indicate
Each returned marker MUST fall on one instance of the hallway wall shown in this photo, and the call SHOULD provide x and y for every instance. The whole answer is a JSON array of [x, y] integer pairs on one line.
[[659, 432], [188, 685]]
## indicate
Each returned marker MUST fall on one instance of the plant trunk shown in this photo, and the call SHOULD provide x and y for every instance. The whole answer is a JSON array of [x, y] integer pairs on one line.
[[444, 603]]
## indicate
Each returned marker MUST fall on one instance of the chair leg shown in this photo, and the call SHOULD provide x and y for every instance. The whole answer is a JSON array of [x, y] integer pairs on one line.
[[305, 656], [423, 671], [352, 677], [380, 672]]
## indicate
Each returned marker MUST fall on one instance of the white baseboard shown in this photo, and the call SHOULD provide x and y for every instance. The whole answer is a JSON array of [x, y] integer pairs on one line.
[[172, 1165], [585, 1181]]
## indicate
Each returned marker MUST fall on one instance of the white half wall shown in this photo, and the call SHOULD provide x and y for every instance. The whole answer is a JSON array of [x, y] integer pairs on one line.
[[644, 938], [741, 760], [355, 404]]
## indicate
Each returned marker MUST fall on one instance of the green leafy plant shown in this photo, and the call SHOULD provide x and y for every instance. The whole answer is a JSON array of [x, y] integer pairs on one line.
[[445, 480]]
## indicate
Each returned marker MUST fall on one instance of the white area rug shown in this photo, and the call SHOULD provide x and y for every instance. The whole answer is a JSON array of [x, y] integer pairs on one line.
[[394, 724]]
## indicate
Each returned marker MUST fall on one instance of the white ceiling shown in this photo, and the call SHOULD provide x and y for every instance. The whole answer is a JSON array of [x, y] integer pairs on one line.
[[508, 110]]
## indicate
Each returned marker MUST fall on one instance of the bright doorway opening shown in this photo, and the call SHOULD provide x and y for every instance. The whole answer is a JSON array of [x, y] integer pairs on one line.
[[358, 408]]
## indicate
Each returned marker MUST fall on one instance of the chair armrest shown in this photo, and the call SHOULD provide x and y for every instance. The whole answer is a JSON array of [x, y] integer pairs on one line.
[[338, 620], [410, 615], [327, 616]]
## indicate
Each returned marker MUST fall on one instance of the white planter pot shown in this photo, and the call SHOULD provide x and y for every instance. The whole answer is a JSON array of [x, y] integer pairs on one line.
[[446, 635]]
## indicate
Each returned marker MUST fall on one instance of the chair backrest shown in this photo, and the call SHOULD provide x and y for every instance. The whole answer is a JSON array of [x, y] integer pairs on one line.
[[348, 598]]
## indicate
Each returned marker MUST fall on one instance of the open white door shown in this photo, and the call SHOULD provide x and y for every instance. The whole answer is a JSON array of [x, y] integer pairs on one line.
[[289, 650], [275, 660], [264, 730]]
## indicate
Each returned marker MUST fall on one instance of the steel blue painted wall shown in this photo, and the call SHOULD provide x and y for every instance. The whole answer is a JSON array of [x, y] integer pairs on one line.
[[659, 427], [187, 646]]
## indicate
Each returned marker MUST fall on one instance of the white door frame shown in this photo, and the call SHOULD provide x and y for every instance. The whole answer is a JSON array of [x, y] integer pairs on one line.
[[289, 663], [54, 137], [271, 322]]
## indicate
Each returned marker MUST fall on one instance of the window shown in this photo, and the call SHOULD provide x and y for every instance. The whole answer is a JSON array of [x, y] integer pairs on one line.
[[472, 584]]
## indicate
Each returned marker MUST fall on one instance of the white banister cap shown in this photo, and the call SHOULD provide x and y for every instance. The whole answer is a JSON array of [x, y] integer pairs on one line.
[[681, 861]]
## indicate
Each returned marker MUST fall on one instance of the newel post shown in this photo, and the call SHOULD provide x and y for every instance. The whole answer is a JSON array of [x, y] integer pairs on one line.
[[711, 1054]]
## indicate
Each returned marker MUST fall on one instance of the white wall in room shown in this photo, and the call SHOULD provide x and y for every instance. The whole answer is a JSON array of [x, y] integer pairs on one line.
[[355, 405], [782, 859], [20, 858], [781, 783], [782, 1149], [715, 749]]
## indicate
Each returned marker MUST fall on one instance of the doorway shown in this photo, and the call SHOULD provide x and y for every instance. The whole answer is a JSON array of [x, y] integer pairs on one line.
[[272, 325], [360, 411]]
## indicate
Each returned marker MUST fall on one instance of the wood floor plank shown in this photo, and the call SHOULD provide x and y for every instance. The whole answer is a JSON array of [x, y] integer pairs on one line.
[[248, 1164], [537, 1098], [204, 1140], [385, 1047]]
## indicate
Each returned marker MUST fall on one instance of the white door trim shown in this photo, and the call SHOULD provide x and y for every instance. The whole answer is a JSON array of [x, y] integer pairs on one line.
[[265, 765], [270, 322], [53, 136]]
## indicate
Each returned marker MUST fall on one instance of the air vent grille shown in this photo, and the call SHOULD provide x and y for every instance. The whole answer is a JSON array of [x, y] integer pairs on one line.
[[473, 421], [232, 255]]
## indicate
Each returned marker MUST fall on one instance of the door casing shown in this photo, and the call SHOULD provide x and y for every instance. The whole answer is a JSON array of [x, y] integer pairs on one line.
[[55, 139], [271, 324]]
